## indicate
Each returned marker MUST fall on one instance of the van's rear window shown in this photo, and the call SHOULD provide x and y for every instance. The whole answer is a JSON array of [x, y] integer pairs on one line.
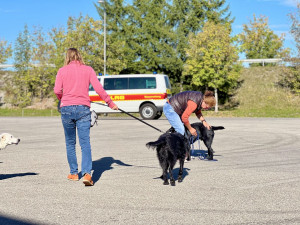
[[168, 85]]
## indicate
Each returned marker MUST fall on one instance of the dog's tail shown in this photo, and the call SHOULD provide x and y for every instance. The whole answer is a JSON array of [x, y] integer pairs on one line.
[[218, 127], [154, 144]]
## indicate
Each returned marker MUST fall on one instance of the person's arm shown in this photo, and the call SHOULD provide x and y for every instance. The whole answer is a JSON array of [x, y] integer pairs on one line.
[[202, 119], [191, 106], [58, 87], [101, 92]]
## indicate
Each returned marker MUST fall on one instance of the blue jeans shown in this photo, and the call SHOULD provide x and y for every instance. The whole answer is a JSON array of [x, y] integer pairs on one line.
[[77, 116], [173, 118]]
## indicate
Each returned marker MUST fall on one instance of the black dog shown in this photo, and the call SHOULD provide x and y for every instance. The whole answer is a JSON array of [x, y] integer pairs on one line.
[[205, 135], [171, 147]]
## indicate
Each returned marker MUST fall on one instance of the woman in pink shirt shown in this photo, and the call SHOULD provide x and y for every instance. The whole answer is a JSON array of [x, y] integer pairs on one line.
[[72, 89]]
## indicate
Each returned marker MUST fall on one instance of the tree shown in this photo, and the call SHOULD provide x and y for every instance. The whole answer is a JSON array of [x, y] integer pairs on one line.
[[258, 41], [212, 59], [149, 38], [33, 78], [189, 16], [84, 34], [18, 89], [5, 51], [155, 31], [295, 28], [117, 31], [290, 76], [42, 75]]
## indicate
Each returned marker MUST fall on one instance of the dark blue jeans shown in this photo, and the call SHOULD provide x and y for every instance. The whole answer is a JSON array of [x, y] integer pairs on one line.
[[77, 116]]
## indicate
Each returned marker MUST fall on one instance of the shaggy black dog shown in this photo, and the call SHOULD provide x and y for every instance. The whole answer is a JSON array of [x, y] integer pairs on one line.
[[205, 135], [171, 147]]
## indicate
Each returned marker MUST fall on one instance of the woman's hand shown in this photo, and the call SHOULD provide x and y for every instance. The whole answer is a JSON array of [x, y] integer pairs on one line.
[[115, 107], [193, 131], [206, 124]]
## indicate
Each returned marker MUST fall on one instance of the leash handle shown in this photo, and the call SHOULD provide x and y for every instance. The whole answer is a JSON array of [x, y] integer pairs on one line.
[[131, 116]]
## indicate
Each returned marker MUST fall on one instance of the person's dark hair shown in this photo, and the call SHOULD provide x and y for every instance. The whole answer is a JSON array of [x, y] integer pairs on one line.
[[209, 98]]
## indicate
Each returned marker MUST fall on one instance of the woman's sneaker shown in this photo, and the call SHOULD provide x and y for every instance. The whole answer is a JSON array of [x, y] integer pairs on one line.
[[73, 177], [87, 180]]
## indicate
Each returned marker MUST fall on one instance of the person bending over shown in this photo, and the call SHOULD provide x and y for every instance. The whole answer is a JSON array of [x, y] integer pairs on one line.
[[180, 106]]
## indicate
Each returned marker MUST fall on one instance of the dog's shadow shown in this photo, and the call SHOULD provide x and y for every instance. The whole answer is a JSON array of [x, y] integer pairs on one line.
[[104, 164], [175, 174], [202, 154], [8, 176]]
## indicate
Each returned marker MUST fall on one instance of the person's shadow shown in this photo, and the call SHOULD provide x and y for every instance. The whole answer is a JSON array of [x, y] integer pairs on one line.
[[8, 176], [104, 164]]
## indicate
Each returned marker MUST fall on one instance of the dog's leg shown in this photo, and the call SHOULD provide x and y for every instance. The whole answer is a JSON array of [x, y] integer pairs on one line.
[[180, 170], [172, 180], [210, 154], [210, 151], [165, 173]]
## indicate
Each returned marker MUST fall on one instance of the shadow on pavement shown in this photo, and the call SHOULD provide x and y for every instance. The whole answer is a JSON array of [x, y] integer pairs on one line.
[[202, 155], [14, 221], [7, 176], [104, 164], [175, 174]]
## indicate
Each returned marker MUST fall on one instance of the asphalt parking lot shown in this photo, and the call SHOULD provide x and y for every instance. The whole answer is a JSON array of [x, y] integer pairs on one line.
[[255, 178]]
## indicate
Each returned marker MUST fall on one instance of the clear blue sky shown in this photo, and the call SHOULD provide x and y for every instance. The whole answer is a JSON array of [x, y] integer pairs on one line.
[[14, 14]]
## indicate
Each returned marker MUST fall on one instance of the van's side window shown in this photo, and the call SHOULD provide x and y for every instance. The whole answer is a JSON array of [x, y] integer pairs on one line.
[[91, 87], [129, 83], [115, 83], [142, 83]]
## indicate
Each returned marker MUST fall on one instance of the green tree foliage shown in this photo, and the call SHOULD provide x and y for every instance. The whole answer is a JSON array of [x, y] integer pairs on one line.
[[33, 77], [155, 32], [41, 75], [18, 87], [84, 33], [5, 51], [189, 16], [258, 41], [295, 28], [117, 30], [290, 76], [212, 59], [149, 38]]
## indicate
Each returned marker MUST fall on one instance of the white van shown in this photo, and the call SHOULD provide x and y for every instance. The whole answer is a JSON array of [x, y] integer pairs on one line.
[[143, 93]]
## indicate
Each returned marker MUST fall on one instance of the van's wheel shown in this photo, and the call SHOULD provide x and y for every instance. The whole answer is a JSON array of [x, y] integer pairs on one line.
[[148, 111], [158, 115]]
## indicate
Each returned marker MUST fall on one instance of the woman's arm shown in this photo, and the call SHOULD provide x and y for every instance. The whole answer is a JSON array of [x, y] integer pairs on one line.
[[202, 119]]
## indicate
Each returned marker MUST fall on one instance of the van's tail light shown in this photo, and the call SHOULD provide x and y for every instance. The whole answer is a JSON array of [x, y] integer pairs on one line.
[[166, 95], [169, 93]]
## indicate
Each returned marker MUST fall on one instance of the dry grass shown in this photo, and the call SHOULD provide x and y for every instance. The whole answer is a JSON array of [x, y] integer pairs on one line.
[[260, 96]]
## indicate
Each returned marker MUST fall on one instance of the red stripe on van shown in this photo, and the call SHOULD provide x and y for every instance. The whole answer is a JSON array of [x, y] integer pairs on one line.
[[131, 97]]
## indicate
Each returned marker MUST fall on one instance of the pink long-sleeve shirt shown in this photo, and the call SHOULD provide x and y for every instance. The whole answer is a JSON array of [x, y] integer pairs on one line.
[[72, 85]]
